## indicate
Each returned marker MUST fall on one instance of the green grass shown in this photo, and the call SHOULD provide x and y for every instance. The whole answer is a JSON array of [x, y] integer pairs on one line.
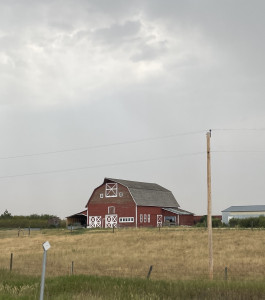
[[15, 286]]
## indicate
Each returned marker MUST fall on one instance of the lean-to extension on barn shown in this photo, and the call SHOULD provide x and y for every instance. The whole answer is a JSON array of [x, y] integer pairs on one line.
[[124, 203], [77, 220]]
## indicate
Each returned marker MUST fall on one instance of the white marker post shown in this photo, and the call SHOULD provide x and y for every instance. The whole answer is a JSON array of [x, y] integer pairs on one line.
[[46, 246]]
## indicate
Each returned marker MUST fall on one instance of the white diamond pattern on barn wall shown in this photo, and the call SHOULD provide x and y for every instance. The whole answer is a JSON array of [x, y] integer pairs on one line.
[[159, 220], [111, 221], [94, 221]]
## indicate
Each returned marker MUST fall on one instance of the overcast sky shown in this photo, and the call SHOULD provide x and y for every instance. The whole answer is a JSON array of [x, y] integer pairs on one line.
[[75, 75]]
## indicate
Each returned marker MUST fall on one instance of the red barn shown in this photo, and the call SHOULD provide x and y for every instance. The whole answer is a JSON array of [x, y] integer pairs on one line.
[[124, 203]]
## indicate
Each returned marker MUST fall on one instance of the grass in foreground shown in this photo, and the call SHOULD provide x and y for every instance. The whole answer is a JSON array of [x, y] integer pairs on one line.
[[15, 286]]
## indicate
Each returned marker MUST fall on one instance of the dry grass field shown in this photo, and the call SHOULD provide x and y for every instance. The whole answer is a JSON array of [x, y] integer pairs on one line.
[[174, 253]]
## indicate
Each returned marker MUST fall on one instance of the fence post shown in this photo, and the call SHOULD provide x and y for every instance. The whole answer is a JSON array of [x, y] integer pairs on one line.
[[149, 272], [112, 228], [11, 262], [225, 273], [46, 246], [18, 231], [29, 230], [72, 268]]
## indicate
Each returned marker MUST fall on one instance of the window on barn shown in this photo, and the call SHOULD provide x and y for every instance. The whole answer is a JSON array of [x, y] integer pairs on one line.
[[170, 219], [126, 220], [111, 210], [145, 218], [148, 218], [111, 190], [101, 195], [121, 194], [141, 218]]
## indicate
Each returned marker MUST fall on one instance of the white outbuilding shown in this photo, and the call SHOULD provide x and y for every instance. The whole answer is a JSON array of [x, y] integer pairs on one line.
[[240, 212]]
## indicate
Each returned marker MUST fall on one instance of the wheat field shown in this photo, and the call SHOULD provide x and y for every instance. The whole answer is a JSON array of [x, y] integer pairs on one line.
[[180, 253]]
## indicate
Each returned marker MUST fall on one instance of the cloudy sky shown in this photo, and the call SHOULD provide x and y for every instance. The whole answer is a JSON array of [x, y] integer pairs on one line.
[[128, 89]]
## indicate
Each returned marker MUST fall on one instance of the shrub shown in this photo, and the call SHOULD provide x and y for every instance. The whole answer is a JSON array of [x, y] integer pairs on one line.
[[203, 222], [216, 222], [34, 221], [258, 222]]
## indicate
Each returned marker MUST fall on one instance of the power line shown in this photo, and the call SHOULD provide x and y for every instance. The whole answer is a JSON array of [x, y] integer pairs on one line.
[[126, 143], [238, 151], [103, 165], [103, 145], [238, 129]]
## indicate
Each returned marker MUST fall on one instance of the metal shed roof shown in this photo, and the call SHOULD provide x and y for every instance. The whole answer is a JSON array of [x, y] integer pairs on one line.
[[81, 213], [246, 208], [148, 194], [178, 211]]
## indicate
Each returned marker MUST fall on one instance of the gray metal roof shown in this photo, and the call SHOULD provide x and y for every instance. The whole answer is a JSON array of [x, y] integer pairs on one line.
[[148, 194], [139, 185], [178, 211], [246, 208], [81, 213]]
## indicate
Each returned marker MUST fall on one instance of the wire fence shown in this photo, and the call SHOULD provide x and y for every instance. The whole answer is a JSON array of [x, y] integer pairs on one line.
[[31, 267]]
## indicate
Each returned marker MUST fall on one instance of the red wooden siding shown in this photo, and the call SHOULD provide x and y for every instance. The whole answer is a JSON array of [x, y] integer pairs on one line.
[[186, 220], [123, 204], [154, 211], [148, 210]]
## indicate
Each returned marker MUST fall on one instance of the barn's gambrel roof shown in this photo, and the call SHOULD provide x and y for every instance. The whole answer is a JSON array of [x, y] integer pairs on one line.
[[139, 185], [148, 194]]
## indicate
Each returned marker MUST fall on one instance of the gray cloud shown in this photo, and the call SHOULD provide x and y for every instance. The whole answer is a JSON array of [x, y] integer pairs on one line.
[[118, 33], [147, 52]]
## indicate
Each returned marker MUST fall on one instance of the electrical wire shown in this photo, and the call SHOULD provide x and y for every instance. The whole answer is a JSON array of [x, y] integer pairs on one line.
[[125, 143], [103, 165], [103, 145], [238, 129], [238, 151]]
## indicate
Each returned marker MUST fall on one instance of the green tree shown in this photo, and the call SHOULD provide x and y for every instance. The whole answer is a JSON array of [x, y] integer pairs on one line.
[[215, 222], [6, 215]]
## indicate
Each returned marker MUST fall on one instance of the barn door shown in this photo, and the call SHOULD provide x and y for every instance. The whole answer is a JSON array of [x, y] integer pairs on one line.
[[159, 220], [94, 221], [111, 221]]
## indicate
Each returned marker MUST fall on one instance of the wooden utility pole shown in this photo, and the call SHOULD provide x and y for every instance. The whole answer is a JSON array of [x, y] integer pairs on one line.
[[209, 212]]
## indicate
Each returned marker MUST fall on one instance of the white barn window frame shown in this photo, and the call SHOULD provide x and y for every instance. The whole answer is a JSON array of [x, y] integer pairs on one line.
[[126, 219], [111, 190], [141, 218]]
